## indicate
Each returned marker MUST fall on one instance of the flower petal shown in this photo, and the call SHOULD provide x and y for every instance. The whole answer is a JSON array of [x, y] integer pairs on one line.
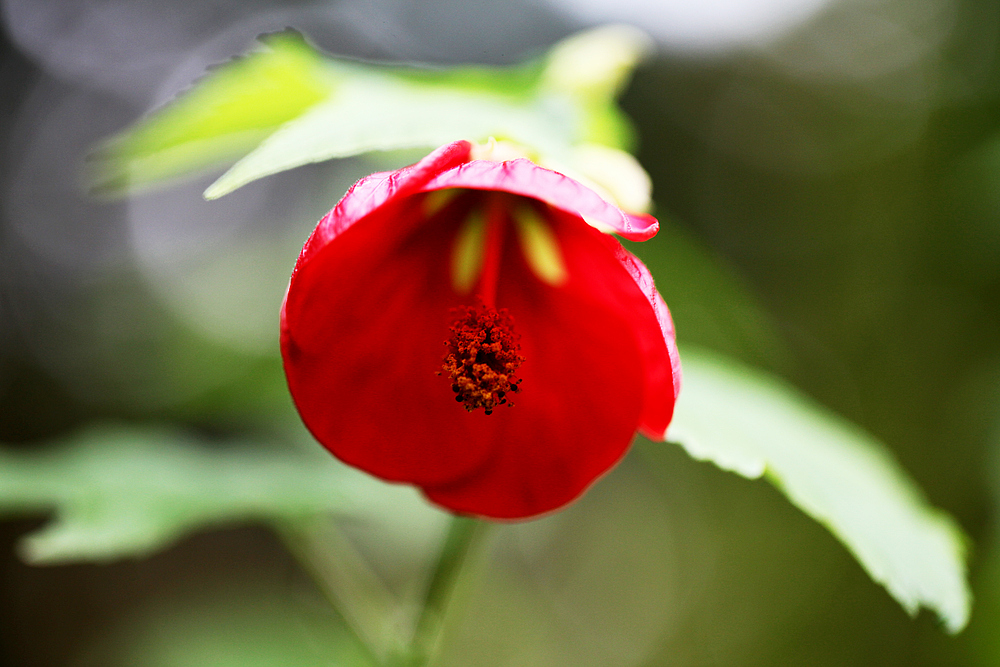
[[523, 177], [663, 362], [363, 331], [584, 381], [367, 314], [376, 189]]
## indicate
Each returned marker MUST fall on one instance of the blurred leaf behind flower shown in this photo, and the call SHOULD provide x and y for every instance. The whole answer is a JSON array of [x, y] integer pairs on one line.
[[224, 115], [127, 492], [287, 105]]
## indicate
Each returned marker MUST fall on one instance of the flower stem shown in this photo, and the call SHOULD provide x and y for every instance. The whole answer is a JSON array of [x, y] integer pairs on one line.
[[459, 543], [366, 606]]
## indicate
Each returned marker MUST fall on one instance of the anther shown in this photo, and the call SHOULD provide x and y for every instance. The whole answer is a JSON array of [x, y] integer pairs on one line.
[[483, 356]]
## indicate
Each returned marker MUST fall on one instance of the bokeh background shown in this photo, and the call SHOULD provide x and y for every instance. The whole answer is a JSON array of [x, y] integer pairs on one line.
[[828, 176]]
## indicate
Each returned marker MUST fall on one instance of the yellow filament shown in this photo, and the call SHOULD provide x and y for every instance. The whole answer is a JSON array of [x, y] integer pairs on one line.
[[467, 254], [540, 247], [437, 200]]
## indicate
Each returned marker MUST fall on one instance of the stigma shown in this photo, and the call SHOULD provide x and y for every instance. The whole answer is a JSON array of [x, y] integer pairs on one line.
[[483, 357]]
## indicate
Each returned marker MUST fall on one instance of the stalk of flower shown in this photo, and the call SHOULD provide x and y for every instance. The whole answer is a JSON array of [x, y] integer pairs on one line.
[[431, 297]]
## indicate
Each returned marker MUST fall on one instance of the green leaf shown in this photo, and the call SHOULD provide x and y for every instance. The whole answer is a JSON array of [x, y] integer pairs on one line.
[[224, 115], [549, 106], [379, 110], [289, 105], [753, 424], [596, 63], [593, 68], [125, 492]]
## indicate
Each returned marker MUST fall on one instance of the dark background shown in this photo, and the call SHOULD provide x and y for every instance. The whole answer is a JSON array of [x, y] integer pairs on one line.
[[831, 210]]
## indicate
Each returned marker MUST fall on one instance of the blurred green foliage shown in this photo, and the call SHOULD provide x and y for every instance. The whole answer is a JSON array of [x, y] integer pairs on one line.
[[261, 627], [120, 492], [293, 107], [221, 118]]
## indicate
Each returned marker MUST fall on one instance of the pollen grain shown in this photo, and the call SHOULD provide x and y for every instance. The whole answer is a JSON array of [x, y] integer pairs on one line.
[[483, 357]]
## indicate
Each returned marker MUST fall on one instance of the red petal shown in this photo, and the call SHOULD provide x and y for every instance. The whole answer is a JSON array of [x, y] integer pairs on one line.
[[376, 189], [367, 313], [584, 380], [663, 363], [524, 177], [363, 331]]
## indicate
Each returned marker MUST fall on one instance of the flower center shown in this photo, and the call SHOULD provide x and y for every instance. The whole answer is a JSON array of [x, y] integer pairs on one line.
[[483, 356]]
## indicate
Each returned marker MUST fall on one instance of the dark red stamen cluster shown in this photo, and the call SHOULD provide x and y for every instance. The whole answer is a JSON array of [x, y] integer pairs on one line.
[[483, 354]]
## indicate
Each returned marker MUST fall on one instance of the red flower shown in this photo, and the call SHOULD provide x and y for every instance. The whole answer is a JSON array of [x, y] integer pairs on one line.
[[462, 325]]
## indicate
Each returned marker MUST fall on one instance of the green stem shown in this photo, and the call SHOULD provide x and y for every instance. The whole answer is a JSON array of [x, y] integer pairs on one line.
[[367, 607], [463, 535]]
